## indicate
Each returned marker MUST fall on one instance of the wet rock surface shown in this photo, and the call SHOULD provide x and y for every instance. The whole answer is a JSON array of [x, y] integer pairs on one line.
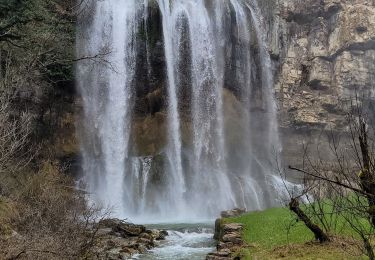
[[118, 239], [229, 237]]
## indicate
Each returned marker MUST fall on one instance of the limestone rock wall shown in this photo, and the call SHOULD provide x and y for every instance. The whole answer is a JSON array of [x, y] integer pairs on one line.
[[325, 52]]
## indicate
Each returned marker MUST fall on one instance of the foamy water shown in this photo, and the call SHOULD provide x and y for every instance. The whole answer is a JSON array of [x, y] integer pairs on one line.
[[185, 242]]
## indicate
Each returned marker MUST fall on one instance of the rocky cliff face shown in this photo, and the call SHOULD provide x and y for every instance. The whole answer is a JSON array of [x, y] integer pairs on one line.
[[325, 52]]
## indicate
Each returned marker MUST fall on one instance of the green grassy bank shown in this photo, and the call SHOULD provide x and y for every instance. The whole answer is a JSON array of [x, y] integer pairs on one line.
[[276, 234]]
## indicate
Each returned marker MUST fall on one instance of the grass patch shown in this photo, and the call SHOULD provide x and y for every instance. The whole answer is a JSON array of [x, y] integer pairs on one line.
[[337, 249], [269, 228], [275, 234]]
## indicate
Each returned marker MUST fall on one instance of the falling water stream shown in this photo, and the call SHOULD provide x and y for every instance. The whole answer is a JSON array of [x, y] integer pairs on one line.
[[216, 52]]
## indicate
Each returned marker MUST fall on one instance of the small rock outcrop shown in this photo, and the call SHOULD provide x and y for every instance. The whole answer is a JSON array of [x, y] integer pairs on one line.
[[229, 241], [118, 239], [233, 213], [229, 236]]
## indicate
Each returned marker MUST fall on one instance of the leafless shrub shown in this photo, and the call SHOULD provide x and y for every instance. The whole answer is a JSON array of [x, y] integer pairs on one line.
[[44, 216], [52, 220]]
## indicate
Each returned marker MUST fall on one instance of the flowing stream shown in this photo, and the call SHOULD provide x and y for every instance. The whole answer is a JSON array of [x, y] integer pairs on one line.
[[220, 132], [184, 242]]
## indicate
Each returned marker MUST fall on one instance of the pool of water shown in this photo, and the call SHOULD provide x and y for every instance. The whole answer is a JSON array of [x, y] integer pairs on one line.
[[184, 242]]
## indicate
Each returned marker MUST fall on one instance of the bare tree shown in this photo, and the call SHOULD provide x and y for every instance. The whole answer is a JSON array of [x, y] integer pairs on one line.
[[341, 192]]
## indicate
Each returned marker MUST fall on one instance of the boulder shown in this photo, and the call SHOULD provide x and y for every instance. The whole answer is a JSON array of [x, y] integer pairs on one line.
[[119, 239], [233, 213], [158, 234], [234, 238], [116, 254], [224, 254], [104, 231], [233, 227], [224, 245], [124, 228], [148, 243], [229, 236]]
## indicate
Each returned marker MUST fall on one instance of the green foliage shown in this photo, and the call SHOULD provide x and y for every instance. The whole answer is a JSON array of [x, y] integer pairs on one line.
[[278, 226], [37, 52], [269, 228], [39, 33], [276, 233], [11, 7]]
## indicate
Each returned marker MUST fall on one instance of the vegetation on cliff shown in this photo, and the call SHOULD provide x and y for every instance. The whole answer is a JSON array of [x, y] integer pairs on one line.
[[36, 53], [41, 216]]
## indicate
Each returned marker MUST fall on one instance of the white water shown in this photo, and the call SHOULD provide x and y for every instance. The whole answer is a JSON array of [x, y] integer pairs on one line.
[[228, 160], [184, 242], [107, 97], [177, 187]]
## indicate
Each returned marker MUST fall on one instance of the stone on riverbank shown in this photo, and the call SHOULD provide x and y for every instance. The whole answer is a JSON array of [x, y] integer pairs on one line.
[[233, 213], [229, 238], [118, 239]]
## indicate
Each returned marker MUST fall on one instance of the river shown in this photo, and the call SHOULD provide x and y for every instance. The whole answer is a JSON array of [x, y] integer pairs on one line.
[[184, 242]]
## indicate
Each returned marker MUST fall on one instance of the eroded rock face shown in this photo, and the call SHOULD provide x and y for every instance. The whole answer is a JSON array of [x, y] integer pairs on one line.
[[327, 53]]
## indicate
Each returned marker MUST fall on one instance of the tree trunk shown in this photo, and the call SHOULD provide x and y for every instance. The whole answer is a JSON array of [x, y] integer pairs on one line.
[[318, 232], [367, 176]]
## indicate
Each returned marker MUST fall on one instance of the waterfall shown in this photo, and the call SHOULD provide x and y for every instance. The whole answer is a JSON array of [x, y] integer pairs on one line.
[[219, 141], [177, 187]]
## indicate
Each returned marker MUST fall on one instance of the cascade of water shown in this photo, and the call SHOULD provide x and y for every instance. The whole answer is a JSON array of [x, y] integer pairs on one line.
[[208, 160], [202, 176], [148, 54], [139, 179], [219, 31], [108, 100], [252, 196], [267, 77], [177, 187], [273, 146]]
